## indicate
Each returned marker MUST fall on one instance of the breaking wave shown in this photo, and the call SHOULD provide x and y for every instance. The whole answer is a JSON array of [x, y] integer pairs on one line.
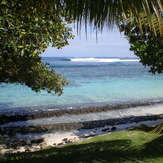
[[103, 60]]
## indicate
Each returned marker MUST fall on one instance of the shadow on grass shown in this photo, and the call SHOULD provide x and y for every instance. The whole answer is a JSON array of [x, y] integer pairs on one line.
[[103, 152], [155, 147]]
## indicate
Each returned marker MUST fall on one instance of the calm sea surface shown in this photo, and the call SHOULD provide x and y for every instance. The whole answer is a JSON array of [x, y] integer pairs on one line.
[[93, 81]]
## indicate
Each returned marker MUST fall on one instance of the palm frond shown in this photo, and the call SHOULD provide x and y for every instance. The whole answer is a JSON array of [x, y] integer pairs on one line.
[[157, 129], [100, 13]]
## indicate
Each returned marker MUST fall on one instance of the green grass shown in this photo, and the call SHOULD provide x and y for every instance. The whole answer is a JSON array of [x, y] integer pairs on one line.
[[127, 146]]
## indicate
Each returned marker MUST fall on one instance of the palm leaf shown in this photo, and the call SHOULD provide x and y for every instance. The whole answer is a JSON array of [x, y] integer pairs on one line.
[[157, 129], [100, 13]]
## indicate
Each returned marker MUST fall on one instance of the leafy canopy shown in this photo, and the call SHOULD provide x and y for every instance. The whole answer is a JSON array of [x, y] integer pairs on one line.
[[26, 30], [147, 47]]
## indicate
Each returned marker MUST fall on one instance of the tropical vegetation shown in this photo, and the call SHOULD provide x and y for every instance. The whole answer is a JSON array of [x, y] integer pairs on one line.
[[28, 27], [26, 30], [146, 46]]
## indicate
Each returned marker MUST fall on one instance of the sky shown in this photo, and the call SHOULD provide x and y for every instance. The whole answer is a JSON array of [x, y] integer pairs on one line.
[[111, 43]]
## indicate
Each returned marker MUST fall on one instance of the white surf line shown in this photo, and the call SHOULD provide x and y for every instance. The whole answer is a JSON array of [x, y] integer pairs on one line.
[[103, 60]]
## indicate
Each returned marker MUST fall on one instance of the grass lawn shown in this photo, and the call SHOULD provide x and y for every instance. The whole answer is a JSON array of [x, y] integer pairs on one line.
[[128, 146]]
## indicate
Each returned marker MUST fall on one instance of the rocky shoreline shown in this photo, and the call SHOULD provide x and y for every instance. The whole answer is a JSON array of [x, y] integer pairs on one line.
[[14, 117], [36, 129], [19, 139]]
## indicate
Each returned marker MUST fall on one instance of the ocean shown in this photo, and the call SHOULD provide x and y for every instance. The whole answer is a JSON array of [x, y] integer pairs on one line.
[[92, 82]]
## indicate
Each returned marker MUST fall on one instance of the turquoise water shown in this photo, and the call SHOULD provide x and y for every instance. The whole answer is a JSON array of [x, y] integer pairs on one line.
[[93, 81]]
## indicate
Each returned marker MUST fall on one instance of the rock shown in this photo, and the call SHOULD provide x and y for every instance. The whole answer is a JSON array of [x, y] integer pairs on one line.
[[23, 143], [43, 145], [92, 133], [105, 129], [36, 149], [72, 140], [142, 125], [27, 150], [33, 141], [59, 144], [113, 128], [85, 136], [65, 140], [37, 141], [40, 140], [55, 144]]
